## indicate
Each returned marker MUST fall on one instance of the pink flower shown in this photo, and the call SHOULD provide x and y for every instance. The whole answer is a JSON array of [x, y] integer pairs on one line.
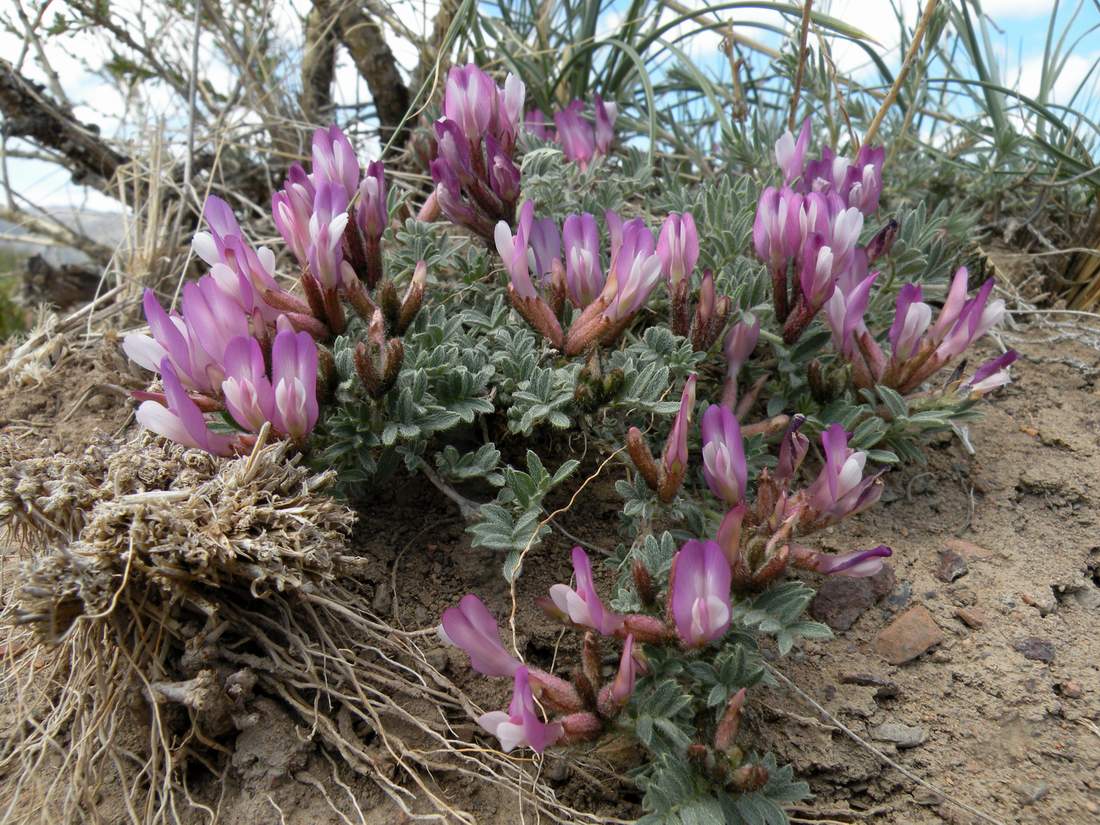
[[776, 230], [675, 458], [911, 319], [575, 134], [371, 214], [292, 208], [249, 396], [472, 627], [991, 375], [182, 420], [326, 237], [678, 248], [605, 124], [521, 725], [857, 564], [212, 319], [724, 464], [545, 242], [789, 153], [334, 161], [583, 605], [537, 124], [740, 343], [844, 313], [700, 587], [840, 489], [636, 269], [584, 279], [513, 250], [294, 378], [470, 99]]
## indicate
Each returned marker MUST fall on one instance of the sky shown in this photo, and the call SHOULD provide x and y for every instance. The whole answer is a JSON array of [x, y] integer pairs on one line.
[[1017, 32]]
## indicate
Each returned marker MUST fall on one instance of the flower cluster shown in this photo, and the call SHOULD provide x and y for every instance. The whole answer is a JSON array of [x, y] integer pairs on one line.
[[807, 231], [243, 344], [759, 540], [697, 611], [540, 284], [475, 174], [919, 348], [581, 141], [229, 348]]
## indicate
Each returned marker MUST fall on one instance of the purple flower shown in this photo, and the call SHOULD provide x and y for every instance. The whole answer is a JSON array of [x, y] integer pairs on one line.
[[334, 161], [678, 247], [583, 277], [740, 343], [470, 99], [513, 250], [537, 124], [636, 269], [583, 605], [840, 489], [521, 725], [827, 174], [454, 149], [675, 458], [575, 134], [623, 685], [817, 277], [724, 465], [700, 588], [776, 230], [864, 179], [857, 564], [504, 175], [792, 450], [545, 243], [911, 319], [976, 318], [170, 339], [605, 125], [845, 315], [789, 153], [294, 378], [326, 236], [292, 207], [952, 305], [213, 319], [249, 396], [510, 109], [991, 375], [371, 213], [182, 420], [472, 627]]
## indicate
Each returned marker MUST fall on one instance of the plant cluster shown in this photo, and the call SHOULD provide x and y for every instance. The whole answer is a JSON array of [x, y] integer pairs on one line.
[[547, 322]]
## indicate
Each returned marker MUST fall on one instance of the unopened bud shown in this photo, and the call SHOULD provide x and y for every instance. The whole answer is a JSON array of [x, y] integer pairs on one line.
[[643, 583], [585, 689], [730, 723], [581, 727], [639, 452], [883, 241], [590, 658], [749, 778], [389, 303]]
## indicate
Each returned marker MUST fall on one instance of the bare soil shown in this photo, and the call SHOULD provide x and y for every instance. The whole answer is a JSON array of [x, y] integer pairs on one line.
[[1017, 738]]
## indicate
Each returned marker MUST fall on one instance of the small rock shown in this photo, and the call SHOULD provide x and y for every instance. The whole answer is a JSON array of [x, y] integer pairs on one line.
[[1036, 649], [1032, 792], [887, 689], [974, 619], [1092, 807], [904, 736], [1087, 597], [437, 658], [952, 566], [842, 600], [912, 633], [901, 595], [968, 549], [1045, 604], [1070, 689]]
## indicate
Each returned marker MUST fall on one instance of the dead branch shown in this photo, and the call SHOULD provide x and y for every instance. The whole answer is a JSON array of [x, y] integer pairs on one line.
[[29, 112], [366, 43], [318, 65]]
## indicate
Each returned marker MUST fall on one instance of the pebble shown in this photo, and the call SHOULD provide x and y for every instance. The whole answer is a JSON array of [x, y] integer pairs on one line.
[[952, 566], [1036, 649], [1087, 597], [437, 658], [1045, 604], [841, 600], [912, 633], [1071, 689], [968, 549], [972, 618], [904, 736], [901, 595], [1032, 792]]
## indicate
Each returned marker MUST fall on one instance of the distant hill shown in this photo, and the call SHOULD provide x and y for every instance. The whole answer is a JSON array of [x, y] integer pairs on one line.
[[104, 227]]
